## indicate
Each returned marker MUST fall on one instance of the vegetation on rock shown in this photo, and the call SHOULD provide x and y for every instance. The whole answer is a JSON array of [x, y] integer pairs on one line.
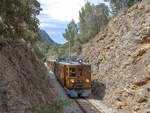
[[46, 38], [18, 19], [24, 80], [118, 5]]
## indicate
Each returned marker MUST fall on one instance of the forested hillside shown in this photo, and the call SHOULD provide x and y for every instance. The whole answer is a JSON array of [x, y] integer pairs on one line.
[[45, 37]]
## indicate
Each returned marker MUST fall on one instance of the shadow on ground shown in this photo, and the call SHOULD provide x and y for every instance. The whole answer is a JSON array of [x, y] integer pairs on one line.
[[98, 90]]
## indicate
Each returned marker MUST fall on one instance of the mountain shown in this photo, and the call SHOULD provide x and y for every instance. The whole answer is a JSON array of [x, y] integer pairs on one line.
[[120, 58], [46, 38]]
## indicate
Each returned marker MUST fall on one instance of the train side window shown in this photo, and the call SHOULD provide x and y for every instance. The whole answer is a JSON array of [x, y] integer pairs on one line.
[[72, 72], [80, 72], [87, 70]]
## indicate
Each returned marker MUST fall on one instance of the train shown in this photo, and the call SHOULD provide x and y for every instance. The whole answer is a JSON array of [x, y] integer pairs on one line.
[[75, 77]]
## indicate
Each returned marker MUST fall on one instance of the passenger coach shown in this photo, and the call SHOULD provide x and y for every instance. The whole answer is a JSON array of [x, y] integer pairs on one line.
[[74, 76]]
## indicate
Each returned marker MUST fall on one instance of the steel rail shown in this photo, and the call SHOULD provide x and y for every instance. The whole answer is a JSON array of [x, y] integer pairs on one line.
[[97, 110], [80, 106], [84, 110]]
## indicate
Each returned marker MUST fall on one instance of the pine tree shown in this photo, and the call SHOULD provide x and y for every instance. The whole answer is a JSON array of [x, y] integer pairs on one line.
[[19, 18]]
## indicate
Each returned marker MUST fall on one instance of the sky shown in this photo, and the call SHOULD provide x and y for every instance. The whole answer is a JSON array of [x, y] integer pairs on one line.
[[56, 14]]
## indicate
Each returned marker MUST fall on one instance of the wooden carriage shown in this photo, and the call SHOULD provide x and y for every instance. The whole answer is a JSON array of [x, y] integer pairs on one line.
[[75, 77]]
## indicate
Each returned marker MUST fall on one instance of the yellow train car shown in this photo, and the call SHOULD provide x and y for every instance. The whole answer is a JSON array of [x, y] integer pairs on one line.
[[74, 76]]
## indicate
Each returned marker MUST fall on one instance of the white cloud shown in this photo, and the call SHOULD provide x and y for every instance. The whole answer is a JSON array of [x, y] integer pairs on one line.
[[56, 14], [49, 25], [63, 10]]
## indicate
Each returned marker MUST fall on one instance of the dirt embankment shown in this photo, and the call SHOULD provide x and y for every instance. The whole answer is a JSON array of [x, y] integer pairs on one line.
[[24, 80], [121, 60]]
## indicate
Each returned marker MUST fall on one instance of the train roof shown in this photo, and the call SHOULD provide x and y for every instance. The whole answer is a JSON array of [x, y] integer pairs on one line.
[[71, 63], [74, 63]]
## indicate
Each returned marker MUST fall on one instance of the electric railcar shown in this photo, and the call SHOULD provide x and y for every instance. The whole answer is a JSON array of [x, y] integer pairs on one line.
[[74, 76]]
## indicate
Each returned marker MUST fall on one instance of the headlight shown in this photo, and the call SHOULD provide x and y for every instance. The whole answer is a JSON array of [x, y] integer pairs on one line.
[[87, 80], [80, 61], [72, 81]]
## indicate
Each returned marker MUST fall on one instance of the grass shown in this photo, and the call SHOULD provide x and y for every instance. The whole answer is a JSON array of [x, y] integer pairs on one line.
[[55, 106]]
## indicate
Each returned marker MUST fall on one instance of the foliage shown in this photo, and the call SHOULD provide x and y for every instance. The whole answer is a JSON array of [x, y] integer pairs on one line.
[[41, 49], [18, 19], [55, 106], [71, 31], [92, 19], [53, 51], [60, 51], [117, 5], [38, 52]]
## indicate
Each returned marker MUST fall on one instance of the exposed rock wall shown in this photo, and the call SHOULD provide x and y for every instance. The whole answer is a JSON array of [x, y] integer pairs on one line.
[[121, 60], [24, 81]]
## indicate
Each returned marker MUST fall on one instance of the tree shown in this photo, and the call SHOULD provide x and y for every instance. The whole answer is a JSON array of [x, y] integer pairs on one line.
[[101, 16], [117, 5], [71, 31], [92, 20], [86, 17], [19, 17]]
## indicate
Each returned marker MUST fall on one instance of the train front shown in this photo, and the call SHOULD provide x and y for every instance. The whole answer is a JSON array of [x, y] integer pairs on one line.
[[78, 80]]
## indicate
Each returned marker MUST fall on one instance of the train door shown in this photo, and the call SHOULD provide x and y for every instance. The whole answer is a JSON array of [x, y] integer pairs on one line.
[[54, 68], [66, 75], [87, 76], [80, 76], [71, 77]]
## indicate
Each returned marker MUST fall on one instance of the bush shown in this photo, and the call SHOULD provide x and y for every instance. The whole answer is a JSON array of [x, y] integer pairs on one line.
[[55, 106]]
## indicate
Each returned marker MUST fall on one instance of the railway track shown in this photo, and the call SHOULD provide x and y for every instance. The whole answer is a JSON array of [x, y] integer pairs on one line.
[[86, 106], [82, 103]]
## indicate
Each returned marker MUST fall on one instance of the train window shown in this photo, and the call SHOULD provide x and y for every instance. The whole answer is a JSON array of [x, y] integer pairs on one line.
[[87, 70], [72, 72], [80, 72]]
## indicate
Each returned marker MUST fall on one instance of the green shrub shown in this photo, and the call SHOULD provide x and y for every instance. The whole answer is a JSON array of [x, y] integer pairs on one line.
[[55, 106]]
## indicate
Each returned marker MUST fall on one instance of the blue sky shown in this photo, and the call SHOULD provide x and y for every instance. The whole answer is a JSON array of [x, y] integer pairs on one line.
[[56, 14]]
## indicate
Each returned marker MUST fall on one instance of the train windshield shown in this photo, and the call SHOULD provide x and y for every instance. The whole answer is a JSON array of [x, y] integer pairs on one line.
[[72, 72]]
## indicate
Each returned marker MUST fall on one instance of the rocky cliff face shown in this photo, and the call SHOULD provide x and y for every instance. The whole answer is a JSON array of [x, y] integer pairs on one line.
[[121, 61], [24, 80]]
